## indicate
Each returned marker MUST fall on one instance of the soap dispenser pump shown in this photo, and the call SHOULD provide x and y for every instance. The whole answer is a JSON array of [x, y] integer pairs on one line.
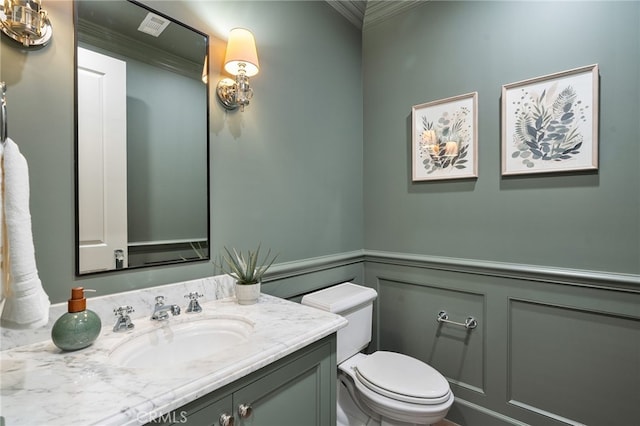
[[79, 327]]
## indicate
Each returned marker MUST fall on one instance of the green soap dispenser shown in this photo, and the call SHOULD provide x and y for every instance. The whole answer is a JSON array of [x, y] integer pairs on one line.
[[79, 327]]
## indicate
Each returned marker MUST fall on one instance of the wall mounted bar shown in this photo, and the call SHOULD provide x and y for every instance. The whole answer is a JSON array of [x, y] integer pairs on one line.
[[469, 323]]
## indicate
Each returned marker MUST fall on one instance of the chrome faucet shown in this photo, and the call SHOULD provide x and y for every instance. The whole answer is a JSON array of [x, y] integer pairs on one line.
[[194, 306], [161, 311], [123, 323]]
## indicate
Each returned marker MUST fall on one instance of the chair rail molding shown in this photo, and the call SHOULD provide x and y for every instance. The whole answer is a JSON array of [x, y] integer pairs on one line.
[[315, 264], [548, 274], [536, 273]]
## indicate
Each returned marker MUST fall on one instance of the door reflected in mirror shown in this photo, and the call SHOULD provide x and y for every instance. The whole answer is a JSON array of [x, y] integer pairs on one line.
[[142, 169]]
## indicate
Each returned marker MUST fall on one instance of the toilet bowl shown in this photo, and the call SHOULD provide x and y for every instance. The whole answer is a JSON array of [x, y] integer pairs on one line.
[[392, 388], [383, 388]]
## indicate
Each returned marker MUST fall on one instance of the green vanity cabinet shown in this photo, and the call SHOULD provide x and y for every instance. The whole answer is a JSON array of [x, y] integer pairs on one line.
[[299, 389], [208, 410]]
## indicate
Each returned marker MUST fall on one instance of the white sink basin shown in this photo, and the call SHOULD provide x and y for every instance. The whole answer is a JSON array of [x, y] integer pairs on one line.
[[173, 344]]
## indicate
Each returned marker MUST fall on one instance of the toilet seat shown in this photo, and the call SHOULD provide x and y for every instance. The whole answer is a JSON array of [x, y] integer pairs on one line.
[[402, 378], [376, 403]]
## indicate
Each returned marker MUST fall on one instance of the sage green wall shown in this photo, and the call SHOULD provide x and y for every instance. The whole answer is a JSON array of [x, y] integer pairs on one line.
[[547, 264], [587, 221], [286, 172]]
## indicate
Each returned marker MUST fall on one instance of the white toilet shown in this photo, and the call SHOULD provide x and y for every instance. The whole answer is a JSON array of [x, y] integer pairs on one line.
[[383, 388]]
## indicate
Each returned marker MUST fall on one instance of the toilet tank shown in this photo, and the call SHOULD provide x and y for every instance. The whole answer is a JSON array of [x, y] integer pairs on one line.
[[355, 303]]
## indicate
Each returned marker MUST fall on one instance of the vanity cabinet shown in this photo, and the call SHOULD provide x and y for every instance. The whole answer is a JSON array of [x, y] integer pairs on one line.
[[299, 389]]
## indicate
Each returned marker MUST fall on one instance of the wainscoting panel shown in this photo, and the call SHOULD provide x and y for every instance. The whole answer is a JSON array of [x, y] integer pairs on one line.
[[407, 323], [567, 363], [553, 347]]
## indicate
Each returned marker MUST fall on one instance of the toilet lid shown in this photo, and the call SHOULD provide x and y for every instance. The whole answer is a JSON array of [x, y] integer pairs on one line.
[[403, 378]]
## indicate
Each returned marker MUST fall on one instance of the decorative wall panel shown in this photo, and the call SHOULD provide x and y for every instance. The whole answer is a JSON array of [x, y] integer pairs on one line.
[[553, 347], [566, 363], [407, 323]]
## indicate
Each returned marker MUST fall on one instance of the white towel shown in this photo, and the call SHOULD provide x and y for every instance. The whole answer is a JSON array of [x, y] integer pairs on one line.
[[26, 305]]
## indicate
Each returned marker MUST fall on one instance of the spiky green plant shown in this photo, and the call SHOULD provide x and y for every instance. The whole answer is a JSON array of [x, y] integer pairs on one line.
[[246, 268]]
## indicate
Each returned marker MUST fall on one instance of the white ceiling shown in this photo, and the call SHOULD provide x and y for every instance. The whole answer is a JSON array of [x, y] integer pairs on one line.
[[363, 13]]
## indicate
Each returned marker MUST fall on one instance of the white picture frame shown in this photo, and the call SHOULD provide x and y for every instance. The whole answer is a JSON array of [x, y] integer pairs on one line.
[[550, 123], [445, 138]]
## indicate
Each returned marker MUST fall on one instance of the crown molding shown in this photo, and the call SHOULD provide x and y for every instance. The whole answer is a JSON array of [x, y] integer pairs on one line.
[[381, 10], [366, 13], [109, 41], [353, 10]]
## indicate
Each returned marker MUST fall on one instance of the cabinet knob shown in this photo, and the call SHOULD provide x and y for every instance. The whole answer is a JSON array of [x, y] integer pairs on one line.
[[226, 420], [245, 411]]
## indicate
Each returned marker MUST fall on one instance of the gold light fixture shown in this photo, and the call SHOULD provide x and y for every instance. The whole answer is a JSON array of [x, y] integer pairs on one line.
[[241, 60], [26, 22]]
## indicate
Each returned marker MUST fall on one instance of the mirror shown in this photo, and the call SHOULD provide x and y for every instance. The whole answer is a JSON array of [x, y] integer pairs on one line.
[[142, 138]]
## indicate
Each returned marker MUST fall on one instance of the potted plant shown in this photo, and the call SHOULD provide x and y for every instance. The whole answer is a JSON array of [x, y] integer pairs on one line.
[[247, 269]]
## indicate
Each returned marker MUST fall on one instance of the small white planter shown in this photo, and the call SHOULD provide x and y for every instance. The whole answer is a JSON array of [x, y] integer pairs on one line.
[[247, 294]]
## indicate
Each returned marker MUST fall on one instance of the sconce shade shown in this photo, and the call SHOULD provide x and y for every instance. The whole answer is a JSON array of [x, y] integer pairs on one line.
[[241, 49]]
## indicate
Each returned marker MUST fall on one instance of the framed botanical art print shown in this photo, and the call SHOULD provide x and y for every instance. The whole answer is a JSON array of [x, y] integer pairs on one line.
[[445, 138], [550, 123]]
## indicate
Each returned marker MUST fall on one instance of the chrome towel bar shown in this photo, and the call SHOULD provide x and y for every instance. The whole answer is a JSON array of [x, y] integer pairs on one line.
[[470, 323]]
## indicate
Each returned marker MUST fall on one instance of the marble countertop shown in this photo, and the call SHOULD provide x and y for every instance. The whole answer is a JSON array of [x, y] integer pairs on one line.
[[40, 384]]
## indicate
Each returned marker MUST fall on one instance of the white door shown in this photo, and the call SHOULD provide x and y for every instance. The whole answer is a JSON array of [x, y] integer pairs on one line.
[[102, 160]]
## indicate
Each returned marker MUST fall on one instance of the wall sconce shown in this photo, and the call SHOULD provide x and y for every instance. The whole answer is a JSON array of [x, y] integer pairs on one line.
[[26, 22], [240, 60]]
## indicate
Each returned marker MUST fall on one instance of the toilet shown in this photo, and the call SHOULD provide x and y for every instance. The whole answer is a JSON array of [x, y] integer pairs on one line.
[[383, 388]]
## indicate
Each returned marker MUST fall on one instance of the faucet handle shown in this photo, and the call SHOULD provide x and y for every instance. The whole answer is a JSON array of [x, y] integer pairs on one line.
[[194, 295], [123, 323], [194, 306], [159, 300], [123, 310]]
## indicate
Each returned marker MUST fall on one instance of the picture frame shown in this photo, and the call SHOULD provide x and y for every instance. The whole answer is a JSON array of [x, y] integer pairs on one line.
[[550, 123], [444, 138]]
